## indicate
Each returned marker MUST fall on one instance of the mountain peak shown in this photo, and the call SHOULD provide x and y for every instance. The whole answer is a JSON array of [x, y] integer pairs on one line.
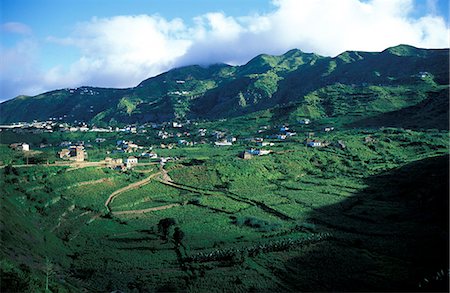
[[405, 50]]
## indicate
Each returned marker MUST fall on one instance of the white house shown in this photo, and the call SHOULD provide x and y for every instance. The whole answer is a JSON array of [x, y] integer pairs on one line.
[[25, 147], [305, 121], [265, 143], [131, 162], [223, 143], [256, 152], [314, 143], [20, 146], [253, 152]]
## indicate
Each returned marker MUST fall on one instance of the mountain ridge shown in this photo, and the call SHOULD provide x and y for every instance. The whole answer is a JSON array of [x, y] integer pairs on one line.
[[221, 90]]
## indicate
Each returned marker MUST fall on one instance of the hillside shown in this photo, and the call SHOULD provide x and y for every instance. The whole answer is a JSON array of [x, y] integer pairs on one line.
[[325, 87], [372, 216]]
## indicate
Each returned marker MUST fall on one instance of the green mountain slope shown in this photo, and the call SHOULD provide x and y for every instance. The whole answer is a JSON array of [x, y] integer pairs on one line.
[[363, 84]]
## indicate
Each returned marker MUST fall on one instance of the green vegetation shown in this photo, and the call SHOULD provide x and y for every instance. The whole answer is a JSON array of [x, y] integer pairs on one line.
[[366, 211], [325, 208]]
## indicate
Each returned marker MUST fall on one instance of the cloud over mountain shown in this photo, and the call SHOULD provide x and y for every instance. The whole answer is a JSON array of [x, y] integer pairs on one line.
[[121, 51]]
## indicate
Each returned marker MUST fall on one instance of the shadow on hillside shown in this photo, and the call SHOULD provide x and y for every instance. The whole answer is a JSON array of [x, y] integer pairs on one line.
[[389, 237], [432, 113]]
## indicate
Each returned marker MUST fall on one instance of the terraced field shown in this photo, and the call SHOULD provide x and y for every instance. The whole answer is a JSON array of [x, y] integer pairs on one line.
[[370, 216]]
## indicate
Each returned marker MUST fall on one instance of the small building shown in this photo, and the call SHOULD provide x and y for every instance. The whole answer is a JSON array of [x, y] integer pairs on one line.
[[305, 121], [258, 139], [328, 129], [369, 139], [264, 152], [313, 143], [25, 147], [131, 162], [150, 155], [73, 153], [20, 146], [265, 143], [113, 163], [253, 152], [245, 155], [340, 144], [223, 143], [120, 167], [256, 152], [64, 154], [79, 154]]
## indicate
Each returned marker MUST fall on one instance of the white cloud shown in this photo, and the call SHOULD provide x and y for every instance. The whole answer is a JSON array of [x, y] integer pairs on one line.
[[121, 51], [16, 28]]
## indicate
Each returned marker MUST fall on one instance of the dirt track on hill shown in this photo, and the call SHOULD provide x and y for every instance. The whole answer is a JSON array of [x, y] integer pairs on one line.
[[133, 212], [129, 187]]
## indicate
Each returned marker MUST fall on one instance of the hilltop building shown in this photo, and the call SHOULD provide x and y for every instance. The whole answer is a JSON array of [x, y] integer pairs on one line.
[[73, 153]]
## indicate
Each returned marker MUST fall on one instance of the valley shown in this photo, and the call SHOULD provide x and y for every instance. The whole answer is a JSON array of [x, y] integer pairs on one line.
[[290, 173]]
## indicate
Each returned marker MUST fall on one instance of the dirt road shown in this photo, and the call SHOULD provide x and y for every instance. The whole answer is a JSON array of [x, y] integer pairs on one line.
[[129, 187]]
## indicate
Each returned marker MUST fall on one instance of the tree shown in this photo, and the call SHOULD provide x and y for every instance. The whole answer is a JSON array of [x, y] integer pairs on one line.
[[178, 236], [49, 271], [164, 226]]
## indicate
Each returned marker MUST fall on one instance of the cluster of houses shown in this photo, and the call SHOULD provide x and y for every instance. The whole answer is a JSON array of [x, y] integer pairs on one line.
[[285, 133], [124, 146], [76, 152], [222, 139], [82, 91]]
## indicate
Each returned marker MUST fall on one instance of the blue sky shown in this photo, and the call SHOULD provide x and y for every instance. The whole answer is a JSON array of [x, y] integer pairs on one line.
[[49, 44]]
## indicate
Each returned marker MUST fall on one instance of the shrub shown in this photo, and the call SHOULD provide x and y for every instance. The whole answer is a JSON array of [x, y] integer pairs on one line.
[[261, 225]]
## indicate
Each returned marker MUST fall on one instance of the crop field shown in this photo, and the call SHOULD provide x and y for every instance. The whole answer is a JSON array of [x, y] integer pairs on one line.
[[370, 216]]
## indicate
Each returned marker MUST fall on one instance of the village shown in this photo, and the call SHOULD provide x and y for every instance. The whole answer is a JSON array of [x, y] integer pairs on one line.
[[122, 153]]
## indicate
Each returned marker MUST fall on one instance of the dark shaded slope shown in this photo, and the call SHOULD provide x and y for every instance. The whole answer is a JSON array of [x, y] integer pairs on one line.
[[399, 65], [389, 237], [253, 87], [432, 113], [80, 104]]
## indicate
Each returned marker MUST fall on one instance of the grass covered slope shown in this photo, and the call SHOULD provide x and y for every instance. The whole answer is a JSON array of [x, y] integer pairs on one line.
[[299, 219], [398, 222]]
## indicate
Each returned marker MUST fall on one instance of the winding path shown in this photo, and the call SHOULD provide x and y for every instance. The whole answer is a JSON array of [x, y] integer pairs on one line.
[[165, 179], [129, 187], [133, 212]]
